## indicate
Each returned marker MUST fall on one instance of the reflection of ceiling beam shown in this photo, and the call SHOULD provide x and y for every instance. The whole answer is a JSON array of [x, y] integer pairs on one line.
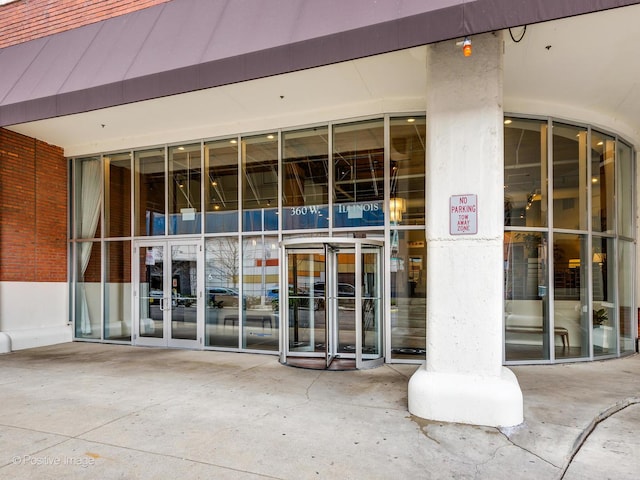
[[373, 175]]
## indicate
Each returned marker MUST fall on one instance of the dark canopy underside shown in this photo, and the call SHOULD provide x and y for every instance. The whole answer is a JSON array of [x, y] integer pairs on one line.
[[187, 45]]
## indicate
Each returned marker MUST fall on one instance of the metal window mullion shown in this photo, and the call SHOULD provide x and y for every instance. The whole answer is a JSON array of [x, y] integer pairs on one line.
[[166, 190], [103, 276], [386, 261], [358, 305], [331, 183], [550, 245], [203, 188], [240, 182], [589, 247]]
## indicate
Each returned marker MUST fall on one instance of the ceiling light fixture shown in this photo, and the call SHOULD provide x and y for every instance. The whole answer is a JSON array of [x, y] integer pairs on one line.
[[466, 47]]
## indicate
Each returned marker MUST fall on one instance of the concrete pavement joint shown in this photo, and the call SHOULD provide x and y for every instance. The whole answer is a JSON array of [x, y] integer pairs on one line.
[[312, 384], [68, 438], [582, 438], [503, 431]]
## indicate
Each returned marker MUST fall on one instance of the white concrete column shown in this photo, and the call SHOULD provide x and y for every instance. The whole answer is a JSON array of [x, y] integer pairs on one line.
[[464, 380]]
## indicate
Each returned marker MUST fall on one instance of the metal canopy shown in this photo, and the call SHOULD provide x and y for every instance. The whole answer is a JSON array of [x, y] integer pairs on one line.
[[188, 45]]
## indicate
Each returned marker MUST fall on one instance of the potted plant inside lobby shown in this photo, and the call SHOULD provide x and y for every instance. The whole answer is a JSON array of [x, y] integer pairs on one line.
[[601, 329]]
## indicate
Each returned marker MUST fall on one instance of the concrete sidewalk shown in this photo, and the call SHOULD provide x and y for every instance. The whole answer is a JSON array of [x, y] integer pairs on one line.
[[96, 411]]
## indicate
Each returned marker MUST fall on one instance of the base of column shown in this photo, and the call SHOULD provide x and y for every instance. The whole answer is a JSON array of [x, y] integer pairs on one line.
[[5, 343], [36, 337], [466, 398]]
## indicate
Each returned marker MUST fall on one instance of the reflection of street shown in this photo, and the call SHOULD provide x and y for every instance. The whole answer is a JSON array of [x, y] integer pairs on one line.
[[259, 328]]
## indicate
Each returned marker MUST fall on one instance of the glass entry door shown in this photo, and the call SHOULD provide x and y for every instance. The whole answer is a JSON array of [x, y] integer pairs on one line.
[[167, 293], [333, 307]]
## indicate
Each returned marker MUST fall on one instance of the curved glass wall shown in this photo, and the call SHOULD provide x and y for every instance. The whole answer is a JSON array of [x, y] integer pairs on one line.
[[568, 267]]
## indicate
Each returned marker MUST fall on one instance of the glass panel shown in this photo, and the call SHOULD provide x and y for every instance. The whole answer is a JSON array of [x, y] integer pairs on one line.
[[184, 291], [525, 173], [625, 296], [625, 193], [184, 189], [407, 165], [526, 300], [152, 292], [602, 183], [118, 188], [149, 192], [306, 176], [569, 177], [371, 304], [408, 294], [88, 284], [117, 291], [345, 294], [221, 187], [604, 298], [306, 309], [571, 334], [222, 267], [260, 275], [260, 182], [358, 163], [88, 197]]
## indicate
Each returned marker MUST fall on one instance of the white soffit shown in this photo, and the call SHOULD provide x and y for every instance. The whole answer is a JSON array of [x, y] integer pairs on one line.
[[588, 74]]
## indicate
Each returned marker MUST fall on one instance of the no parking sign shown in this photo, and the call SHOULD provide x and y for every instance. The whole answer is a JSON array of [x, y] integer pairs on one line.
[[463, 210]]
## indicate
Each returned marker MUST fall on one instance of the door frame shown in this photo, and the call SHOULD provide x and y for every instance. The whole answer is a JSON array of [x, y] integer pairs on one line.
[[168, 303], [331, 327]]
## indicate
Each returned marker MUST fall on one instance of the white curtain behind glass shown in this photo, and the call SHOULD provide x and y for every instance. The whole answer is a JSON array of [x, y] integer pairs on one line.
[[89, 215]]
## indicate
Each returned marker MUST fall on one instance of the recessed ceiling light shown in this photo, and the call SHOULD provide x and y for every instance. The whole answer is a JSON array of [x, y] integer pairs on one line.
[[180, 148], [234, 141], [594, 180], [600, 144], [508, 121], [270, 137], [411, 120]]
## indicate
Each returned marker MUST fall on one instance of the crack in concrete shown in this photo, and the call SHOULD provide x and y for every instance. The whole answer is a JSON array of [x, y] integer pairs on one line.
[[531, 452], [582, 438]]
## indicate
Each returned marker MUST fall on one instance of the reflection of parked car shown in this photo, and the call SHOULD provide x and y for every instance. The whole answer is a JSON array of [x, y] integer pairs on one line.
[[223, 296], [344, 289], [155, 296]]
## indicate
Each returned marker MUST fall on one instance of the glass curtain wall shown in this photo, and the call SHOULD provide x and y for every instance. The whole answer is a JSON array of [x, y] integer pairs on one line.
[[117, 291], [565, 301], [305, 179], [626, 247], [184, 189], [408, 248], [526, 242], [118, 190], [260, 182], [569, 229], [222, 290], [358, 174], [88, 283], [87, 265], [221, 186], [260, 277], [149, 195]]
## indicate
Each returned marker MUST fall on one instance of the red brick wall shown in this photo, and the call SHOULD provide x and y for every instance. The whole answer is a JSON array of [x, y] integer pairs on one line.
[[30, 19], [33, 210]]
